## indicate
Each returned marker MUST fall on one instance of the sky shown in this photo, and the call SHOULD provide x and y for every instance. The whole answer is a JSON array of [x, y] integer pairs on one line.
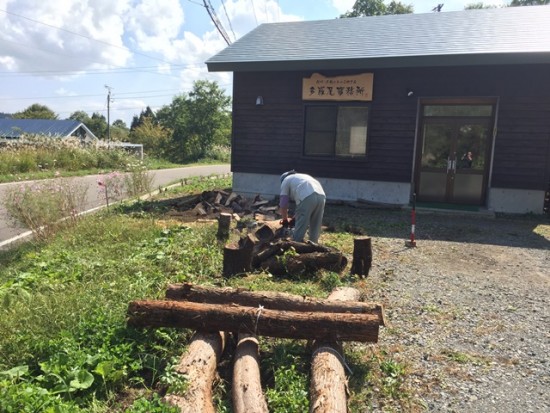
[[71, 55]]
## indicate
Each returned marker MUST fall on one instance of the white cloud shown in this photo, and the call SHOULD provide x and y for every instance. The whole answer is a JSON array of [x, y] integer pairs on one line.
[[64, 35], [344, 5]]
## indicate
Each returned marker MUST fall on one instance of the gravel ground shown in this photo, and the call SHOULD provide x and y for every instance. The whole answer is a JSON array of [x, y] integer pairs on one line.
[[467, 309]]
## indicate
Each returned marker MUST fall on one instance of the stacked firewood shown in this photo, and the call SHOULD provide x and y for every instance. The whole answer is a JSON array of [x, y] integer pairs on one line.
[[210, 204]]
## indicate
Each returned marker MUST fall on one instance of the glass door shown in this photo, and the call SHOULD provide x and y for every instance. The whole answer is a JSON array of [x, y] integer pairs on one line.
[[453, 155]]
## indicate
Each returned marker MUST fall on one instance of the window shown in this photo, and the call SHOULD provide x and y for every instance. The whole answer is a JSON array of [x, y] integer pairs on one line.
[[336, 131]]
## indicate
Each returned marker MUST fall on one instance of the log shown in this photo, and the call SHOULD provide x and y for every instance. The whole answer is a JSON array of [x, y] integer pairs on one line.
[[328, 385], [268, 231], [281, 246], [271, 300], [246, 388], [304, 264], [198, 365], [224, 222], [260, 321], [237, 259], [362, 256]]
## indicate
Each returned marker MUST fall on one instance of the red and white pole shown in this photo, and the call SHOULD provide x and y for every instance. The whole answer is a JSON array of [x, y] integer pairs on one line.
[[412, 242]]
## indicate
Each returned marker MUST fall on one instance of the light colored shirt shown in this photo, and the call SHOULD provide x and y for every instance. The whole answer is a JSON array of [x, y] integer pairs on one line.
[[298, 187]]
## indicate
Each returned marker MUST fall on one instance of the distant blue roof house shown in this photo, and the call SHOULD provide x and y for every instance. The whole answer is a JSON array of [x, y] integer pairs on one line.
[[16, 128]]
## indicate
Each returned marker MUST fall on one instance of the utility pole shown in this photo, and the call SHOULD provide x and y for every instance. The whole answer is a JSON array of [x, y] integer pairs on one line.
[[108, 114]]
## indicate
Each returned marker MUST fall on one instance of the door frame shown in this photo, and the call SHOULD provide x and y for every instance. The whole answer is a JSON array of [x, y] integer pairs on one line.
[[419, 140]]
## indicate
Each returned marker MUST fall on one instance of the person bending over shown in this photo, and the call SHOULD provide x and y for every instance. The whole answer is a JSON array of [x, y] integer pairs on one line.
[[309, 197]]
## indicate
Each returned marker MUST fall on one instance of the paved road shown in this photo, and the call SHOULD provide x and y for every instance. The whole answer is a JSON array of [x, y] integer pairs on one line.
[[161, 177]]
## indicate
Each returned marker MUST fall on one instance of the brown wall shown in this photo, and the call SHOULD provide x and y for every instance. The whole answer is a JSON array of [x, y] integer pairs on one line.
[[269, 138]]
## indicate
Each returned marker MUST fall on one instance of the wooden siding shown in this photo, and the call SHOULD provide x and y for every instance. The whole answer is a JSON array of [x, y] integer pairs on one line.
[[269, 138]]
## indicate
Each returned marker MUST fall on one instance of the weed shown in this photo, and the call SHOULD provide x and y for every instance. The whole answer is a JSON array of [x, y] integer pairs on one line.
[[45, 207]]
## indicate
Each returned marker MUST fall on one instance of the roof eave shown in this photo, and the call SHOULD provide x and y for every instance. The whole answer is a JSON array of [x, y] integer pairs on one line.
[[382, 62]]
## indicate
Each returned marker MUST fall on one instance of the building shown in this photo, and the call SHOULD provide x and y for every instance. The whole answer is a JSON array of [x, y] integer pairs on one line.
[[17, 128], [452, 107]]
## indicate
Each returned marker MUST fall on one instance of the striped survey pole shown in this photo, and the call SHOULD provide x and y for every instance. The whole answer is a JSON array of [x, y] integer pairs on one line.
[[412, 242]]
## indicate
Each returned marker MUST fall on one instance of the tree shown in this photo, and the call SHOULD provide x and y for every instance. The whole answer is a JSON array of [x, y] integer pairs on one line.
[[98, 125], [516, 3], [480, 5], [377, 8], [147, 113], [80, 116], [198, 120], [156, 139], [36, 111]]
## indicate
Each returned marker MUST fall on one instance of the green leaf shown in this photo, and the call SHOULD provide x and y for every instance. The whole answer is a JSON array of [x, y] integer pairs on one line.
[[15, 372], [83, 380]]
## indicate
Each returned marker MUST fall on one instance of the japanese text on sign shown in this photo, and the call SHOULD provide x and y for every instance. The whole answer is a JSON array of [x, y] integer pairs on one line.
[[353, 87]]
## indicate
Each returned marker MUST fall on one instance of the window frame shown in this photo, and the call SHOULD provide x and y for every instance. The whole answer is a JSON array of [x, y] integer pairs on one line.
[[337, 106]]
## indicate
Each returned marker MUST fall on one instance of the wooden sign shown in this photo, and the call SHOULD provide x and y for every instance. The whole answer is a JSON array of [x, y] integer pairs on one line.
[[342, 88]]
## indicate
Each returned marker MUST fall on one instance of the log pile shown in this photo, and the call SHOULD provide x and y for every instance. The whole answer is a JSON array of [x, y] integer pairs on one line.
[[214, 312], [210, 204], [268, 248]]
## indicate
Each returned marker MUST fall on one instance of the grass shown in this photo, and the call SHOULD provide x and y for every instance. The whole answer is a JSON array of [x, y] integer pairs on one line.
[[64, 343]]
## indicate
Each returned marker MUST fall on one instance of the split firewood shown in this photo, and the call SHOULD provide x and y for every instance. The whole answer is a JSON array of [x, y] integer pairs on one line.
[[260, 321], [328, 386], [362, 256], [270, 299], [198, 367], [246, 387]]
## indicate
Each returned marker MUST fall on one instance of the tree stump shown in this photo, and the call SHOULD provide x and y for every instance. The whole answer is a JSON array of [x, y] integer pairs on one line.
[[224, 222], [237, 259], [328, 388], [198, 365], [362, 256], [247, 388]]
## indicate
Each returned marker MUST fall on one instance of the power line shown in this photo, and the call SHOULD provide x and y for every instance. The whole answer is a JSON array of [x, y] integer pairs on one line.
[[216, 21], [228, 20], [254, 10]]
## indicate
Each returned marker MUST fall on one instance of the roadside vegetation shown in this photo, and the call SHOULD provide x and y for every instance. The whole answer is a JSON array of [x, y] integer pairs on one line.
[[64, 343]]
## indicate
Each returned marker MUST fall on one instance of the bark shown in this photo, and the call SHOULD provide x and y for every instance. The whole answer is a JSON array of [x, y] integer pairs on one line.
[[273, 300], [237, 259], [281, 246], [198, 364], [224, 222], [246, 387], [304, 264], [257, 320], [362, 256], [328, 387]]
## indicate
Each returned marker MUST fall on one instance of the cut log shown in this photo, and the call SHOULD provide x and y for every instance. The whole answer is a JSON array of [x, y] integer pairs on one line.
[[246, 387], [328, 386], [237, 259], [224, 223], [362, 256], [304, 264], [272, 300], [198, 365], [268, 231], [260, 321]]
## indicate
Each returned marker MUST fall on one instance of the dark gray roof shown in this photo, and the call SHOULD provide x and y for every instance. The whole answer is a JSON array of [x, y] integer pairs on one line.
[[471, 37], [14, 128]]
